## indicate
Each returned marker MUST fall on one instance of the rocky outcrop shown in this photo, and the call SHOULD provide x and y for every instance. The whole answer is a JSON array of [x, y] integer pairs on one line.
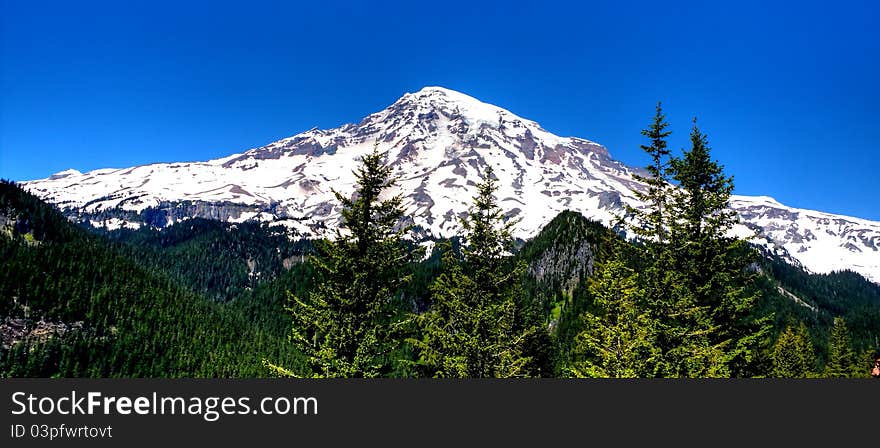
[[15, 330]]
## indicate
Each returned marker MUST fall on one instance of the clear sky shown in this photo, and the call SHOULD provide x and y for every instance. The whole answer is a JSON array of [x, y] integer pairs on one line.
[[788, 92]]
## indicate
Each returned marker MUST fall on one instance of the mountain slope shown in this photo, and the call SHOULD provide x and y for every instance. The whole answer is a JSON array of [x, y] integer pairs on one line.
[[72, 304], [439, 142]]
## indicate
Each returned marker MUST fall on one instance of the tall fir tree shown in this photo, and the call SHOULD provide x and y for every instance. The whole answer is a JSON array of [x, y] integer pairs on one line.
[[650, 224], [712, 268], [682, 324], [472, 328], [842, 362], [793, 354], [695, 281], [347, 326]]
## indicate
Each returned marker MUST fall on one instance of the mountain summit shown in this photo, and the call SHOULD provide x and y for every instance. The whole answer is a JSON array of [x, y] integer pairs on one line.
[[439, 143]]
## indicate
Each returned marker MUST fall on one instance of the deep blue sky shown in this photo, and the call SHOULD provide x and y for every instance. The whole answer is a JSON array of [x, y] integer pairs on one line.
[[788, 92]]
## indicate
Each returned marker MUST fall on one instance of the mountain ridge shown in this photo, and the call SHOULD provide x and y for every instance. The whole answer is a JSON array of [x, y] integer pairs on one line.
[[439, 142]]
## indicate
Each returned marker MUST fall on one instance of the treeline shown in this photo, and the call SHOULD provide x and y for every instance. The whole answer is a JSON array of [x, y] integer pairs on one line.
[[355, 322], [835, 307], [210, 299], [215, 259], [684, 300]]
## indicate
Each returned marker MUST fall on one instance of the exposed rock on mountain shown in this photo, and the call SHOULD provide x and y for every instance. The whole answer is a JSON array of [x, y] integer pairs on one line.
[[439, 142]]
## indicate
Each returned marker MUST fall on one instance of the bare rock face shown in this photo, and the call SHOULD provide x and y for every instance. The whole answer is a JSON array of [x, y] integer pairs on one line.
[[566, 265], [15, 330], [439, 143]]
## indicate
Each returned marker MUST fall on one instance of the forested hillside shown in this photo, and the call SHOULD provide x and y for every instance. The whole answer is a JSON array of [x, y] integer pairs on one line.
[[203, 298], [73, 304], [215, 259]]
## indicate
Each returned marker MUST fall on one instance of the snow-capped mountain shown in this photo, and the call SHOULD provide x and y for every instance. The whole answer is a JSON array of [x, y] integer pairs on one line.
[[439, 142]]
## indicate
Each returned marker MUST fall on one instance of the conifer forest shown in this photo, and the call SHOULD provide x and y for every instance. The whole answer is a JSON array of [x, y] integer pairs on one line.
[[667, 292]]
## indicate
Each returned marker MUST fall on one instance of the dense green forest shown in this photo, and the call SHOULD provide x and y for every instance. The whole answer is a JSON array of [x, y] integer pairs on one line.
[[203, 298], [77, 304]]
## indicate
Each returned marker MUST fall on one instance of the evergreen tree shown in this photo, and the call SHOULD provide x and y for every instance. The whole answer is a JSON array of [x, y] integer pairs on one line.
[[617, 340], [841, 357], [793, 354], [683, 324], [650, 224], [713, 280], [347, 325], [471, 329]]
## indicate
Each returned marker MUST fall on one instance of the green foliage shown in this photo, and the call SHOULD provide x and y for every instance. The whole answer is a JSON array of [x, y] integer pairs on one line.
[[713, 267], [618, 337], [842, 362], [347, 325], [472, 328], [86, 309], [695, 280], [214, 259], [844, 294], [793, 354], [204, 298], [560, 260], [652, 225]]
